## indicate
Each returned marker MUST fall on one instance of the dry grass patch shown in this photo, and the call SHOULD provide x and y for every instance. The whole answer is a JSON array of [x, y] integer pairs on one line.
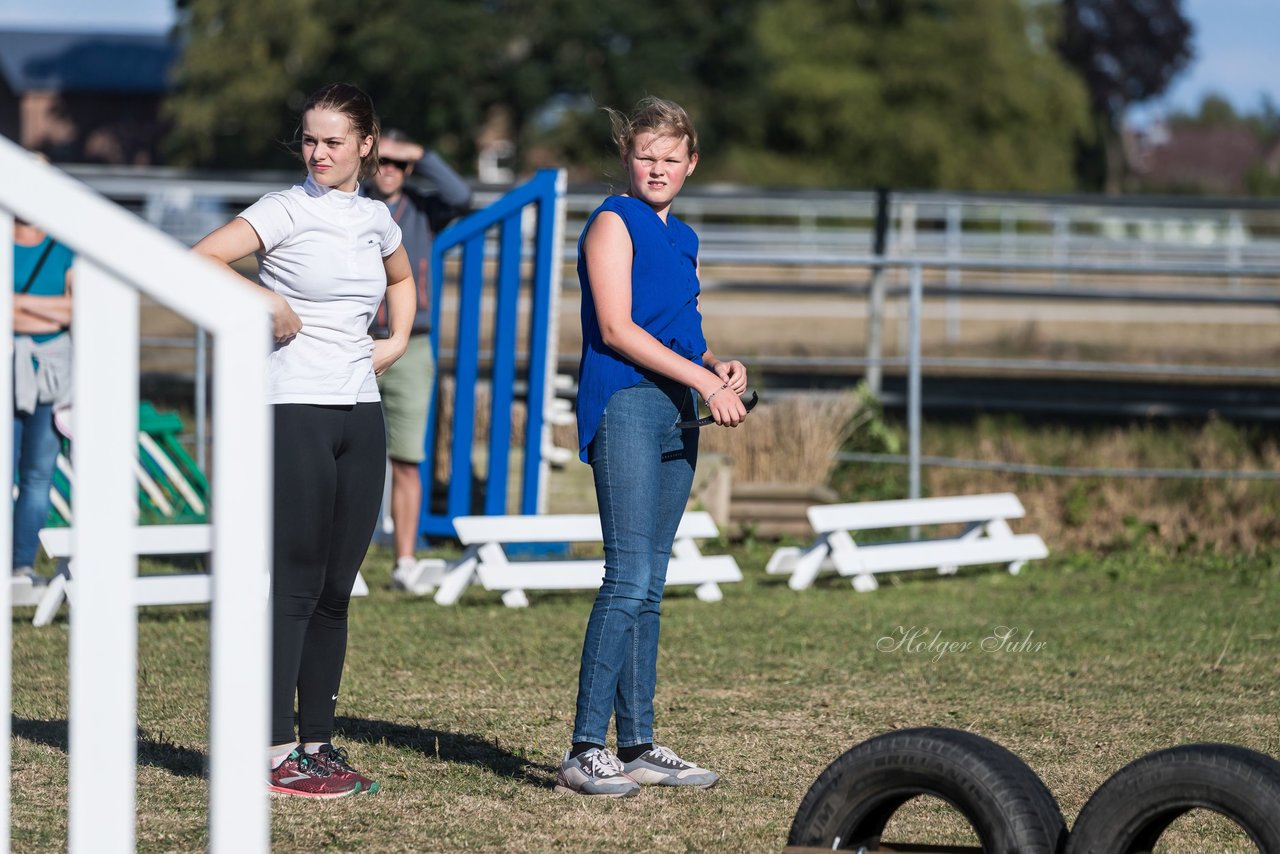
[[1095, 514]]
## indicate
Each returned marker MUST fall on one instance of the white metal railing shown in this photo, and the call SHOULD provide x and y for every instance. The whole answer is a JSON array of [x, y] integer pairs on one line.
[[119, 257], [810, 223]]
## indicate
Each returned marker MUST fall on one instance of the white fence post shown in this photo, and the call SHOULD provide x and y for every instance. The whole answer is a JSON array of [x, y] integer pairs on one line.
[[553, 342], [118, 257], [103, 697], [955, 244], [915, 314], [239, 815]]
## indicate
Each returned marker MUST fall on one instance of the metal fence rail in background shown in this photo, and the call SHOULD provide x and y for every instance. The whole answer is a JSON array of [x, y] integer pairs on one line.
[[1231, 232], [1060, 471], [915, 268], [986, 248]]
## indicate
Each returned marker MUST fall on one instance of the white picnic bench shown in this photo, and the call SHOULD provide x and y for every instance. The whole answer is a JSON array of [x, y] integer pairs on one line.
[[985, 539], [160, 589], [486, 562]]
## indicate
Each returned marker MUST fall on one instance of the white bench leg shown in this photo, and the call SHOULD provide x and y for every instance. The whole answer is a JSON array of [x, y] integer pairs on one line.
[[865, 583], [456, 579], [973, 532], [1016, 567], [425, 576], [708, 592], [515, 599], [808, 565], [783, 560], [430, 571], [52, 600], [360, 587], [22, 592]]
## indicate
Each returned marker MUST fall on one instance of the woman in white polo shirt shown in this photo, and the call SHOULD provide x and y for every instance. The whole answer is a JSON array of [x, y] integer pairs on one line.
[[328, 256]]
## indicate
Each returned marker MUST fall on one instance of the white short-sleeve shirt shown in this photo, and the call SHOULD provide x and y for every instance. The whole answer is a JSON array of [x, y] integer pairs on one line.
[[323, 252]]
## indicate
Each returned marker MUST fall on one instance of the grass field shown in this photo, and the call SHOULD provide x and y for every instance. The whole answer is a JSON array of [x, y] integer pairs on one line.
[[464, 712]]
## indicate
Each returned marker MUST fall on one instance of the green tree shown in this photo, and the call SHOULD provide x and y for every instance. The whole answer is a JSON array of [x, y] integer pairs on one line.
[[1216, 111], [697, 53], [248, 66], [440, 69], [1127, 51], [918, 93], [914, 93], [239, 68]]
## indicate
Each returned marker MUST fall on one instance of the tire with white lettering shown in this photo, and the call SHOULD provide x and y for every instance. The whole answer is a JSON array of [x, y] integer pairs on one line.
[[1006, 804], [1131, 810]]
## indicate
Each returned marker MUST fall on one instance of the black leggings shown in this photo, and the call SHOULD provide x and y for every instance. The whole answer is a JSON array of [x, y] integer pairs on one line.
[[330, 462]]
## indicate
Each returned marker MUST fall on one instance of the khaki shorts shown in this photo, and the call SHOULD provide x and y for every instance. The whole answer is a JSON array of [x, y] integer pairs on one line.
[[406, 394]]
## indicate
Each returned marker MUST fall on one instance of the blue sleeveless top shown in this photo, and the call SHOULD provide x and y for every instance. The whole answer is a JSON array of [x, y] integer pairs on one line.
[[664, 303]]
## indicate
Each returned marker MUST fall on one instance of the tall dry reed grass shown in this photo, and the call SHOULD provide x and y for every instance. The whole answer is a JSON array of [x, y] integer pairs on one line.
[[793, 439], [789, 440]]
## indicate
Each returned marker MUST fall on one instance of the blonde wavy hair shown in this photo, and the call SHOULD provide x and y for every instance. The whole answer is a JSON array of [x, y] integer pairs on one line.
[[652, 115]]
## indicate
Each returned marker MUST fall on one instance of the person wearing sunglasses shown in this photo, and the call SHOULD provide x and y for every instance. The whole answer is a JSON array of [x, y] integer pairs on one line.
[[643, 351], [406, 385]]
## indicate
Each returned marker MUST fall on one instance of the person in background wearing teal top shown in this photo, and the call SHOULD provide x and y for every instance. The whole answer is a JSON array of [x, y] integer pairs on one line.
[[41, 378], [643, 350]]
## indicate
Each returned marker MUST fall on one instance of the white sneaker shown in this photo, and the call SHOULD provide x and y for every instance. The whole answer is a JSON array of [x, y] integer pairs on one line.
[[595, 772], [661, 767], [403, 573]]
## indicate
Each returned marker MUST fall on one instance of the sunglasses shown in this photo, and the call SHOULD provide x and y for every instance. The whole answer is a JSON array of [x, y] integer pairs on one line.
[[399, 164], [750, 403]]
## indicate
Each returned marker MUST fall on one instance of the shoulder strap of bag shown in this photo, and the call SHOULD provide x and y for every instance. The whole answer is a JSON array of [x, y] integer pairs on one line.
[[35, 271]]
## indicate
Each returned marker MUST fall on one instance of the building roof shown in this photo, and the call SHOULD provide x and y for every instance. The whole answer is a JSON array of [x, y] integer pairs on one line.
[[86, 62], [1213, 159]]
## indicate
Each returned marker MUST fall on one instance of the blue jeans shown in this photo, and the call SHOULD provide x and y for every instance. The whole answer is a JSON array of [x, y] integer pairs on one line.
[[35, 450], [643, 468]]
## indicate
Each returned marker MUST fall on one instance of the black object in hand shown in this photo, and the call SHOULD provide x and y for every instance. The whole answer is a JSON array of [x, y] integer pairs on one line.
[[710, 419]]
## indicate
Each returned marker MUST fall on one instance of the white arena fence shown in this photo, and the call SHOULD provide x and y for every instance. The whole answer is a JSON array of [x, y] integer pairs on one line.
[[743, 224], [118, 258]]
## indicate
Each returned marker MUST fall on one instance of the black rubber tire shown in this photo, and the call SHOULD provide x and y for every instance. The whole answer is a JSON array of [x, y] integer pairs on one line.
[[1129, 812], [1007, 805]]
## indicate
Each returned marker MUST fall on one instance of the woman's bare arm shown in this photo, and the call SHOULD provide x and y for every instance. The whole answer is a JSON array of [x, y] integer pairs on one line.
[[237, 240], [609, 255]]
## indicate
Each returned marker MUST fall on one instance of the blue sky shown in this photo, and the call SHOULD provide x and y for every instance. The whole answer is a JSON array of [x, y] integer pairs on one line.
[[1235, 41], [147, 15], [1236, 55]]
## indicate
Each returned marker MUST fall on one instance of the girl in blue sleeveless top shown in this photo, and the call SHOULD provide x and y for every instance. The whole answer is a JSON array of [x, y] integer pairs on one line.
[[642, 352]]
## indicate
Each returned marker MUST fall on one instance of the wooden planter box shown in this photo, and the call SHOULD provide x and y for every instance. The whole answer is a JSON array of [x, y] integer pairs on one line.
[[774, 510]]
